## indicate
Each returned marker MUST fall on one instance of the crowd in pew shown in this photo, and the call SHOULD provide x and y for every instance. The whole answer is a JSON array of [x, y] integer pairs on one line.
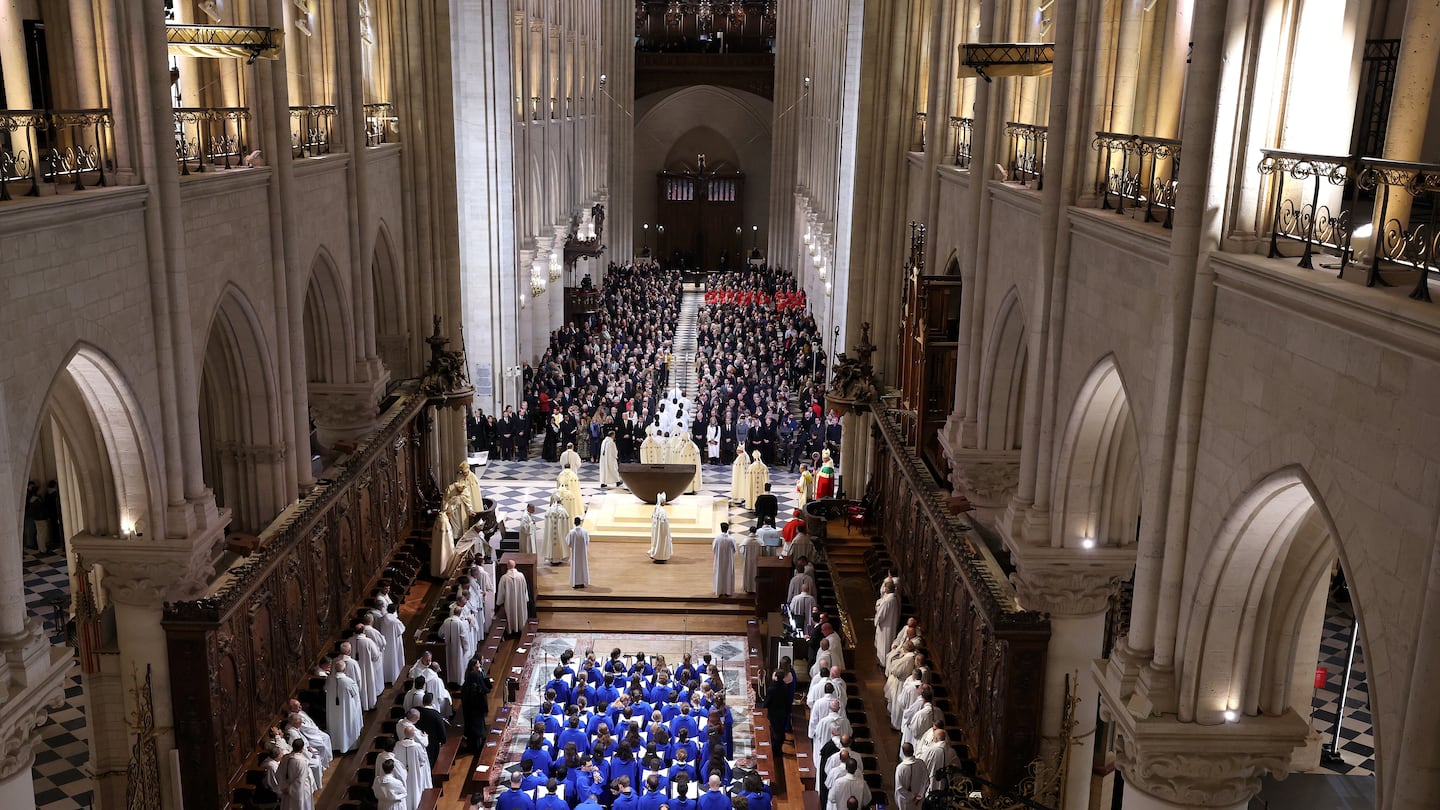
[[631, 733]]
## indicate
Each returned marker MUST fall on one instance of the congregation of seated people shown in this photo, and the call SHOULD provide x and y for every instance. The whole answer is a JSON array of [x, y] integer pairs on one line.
[[631, 734]]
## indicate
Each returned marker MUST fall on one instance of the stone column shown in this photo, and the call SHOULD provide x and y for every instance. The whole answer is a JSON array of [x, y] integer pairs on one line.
[[12, 59], [1169, 765], [527, 314], [1410, 102], [138, 579], [1074, 586], [85, 53]]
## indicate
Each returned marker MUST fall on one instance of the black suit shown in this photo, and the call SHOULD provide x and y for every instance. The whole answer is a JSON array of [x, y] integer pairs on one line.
[[766, 507], [432, 724]]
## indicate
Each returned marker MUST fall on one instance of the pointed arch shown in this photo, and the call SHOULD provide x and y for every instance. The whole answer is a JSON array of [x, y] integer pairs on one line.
[[1240, 642], [242, 438], [1002, 379], [952, 264], [392, 307], [329, 348], [101, 437], [1097, 487]]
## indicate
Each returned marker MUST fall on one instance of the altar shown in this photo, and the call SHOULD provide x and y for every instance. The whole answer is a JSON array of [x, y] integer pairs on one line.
[[618, 516]]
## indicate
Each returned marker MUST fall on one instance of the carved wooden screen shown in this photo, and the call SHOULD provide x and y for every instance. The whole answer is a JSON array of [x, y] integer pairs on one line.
[[239, 652], [990, 653]]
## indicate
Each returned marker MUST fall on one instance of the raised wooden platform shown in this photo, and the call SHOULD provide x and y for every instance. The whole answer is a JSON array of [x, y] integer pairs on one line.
[[618, 516]]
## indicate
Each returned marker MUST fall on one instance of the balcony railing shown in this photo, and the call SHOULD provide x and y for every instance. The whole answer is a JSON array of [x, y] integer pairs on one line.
[[963, 128], [1138, 171], [218, 137], [1027, 153], [59, 147], [310, 130], [1382, 214], [920, 131], [380, 123]]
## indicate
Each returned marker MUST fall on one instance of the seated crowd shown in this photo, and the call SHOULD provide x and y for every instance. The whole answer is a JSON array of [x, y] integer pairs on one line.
[[632, 735]]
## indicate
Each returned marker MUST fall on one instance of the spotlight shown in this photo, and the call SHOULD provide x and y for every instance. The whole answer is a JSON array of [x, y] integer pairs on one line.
[[1088, 542], [1231, 715]]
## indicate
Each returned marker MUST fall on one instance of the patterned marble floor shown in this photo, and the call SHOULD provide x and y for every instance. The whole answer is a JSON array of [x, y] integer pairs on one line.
[[61, 772], [1357, 735]]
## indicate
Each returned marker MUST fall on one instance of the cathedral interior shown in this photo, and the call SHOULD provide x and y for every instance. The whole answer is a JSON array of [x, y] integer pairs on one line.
[[1147, 451]]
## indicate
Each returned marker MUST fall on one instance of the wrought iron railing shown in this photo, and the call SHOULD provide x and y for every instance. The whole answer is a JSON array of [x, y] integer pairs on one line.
[[380, 123], [1382, 214], [310, 129], [963, 129], [1027, 153], [59, 147], [1138, 171], [920, 131], [211, 136]]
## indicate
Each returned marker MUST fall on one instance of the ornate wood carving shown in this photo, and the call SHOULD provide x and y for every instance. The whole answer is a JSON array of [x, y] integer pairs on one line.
[[238, 652], [990, 652]]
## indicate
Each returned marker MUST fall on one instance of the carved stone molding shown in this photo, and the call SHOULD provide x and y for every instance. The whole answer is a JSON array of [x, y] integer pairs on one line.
[[343, 407], [258, 453], [147, 573], [1206, 766], [26, 711], [1069, 582], [987, 478]]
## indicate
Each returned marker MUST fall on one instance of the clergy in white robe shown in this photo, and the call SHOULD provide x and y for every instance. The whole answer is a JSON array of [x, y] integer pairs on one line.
[[557, 525], [369, 626], [530, 529], [474, 499], [609, 462], [412, 756], [800, 546], [837, 650], [389, 787], [750, 558], [514, 595], [937, 753], [687, 452], [568, 483], [724, 548], [912, 780], [578, 541], [887, 622], [483, 579], [459, 640], [393, 630], [570, 460], [442, 546], [652, 449], [342, 708], [740, 478], [296, 780], [898, 669], [425, 668], [712, 443], [314, 735], [759, 476], [905, 697], [361, 668], [805, 486], [921, 719], [662, 545], [372, 665], [849, 784], [294, 730]]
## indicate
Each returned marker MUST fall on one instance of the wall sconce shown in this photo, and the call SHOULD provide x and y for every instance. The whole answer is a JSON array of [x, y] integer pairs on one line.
[[554, 266]]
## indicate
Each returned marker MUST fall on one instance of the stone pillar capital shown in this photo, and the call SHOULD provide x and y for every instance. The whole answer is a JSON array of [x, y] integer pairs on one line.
[[1069, 582], [987, 478], [146, 573], [1205, 766], [346, 411], [26, 709]]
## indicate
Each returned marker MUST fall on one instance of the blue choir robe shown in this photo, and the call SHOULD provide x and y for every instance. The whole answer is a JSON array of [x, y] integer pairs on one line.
[[723, 773], [759, 801], [668, 712], [550, 801], [514, 800], [692, 750], [687, 767], [609, 749], [589, 803], [606, 694], [713, 800], [685, 721], [626, 801], [540, 758], [659, 693], [534, 779], [615, 767], [653, 799], [552, 723], [686, 803], [562, 690], [575, 735]]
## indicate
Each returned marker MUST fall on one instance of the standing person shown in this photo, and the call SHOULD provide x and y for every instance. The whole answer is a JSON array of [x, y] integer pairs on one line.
[[767, 506], [393, 630], [416, 762], [662, 545], [342, 708], [389, 788], [507, 434], [557, 521], [578, 540], [296, 779], [724, 548], [778, 702], [912, 778], [609, 462], [514, 595], [52, 512], [474, 700], [740, 479], [712, 442], [750, 554], [887, 620], [34, 509], [570, 459], [529, 529]]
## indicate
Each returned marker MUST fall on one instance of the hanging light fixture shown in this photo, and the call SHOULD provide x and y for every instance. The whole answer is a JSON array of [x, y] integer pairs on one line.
[[554, 266]]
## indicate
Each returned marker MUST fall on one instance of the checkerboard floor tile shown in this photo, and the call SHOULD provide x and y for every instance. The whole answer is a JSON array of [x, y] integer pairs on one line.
[[61, 772], [1357, 734]]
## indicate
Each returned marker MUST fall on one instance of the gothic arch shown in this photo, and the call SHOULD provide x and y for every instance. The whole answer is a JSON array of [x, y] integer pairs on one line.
[[242, 442], [329, 348], [109, 474], [1097, 488], [1002, 393], [392, 308], [1240, 642], [952, 264]]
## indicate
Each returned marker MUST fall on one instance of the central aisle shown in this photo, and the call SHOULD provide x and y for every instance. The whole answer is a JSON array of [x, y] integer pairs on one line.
[[685, 344]]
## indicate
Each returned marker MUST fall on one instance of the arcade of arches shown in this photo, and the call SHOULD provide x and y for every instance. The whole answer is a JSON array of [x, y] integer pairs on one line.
[[262, 258]]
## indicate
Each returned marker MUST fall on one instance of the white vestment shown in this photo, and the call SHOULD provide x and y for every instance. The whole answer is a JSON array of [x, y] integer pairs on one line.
[[609, 463], [712, 441], [740, 478], [390, 791], [662, 546], [897, 671], [751, 553], [578, 541], [515, 598], [317, 739], [687, 453], [570, 460], [435, 686], [529, 532], [557, 524], [837, 650], [342, 711], [845, 786], [568, 484], [411, 754], [317, 764], [905, 696], [759, 476], [484, 578], [393, 630], [459, 641], [370, 675], [442, 546], [911, 783], [919, 722], [652, 450], [473, 494], [887, 620], [296, 780], [724, 575]]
